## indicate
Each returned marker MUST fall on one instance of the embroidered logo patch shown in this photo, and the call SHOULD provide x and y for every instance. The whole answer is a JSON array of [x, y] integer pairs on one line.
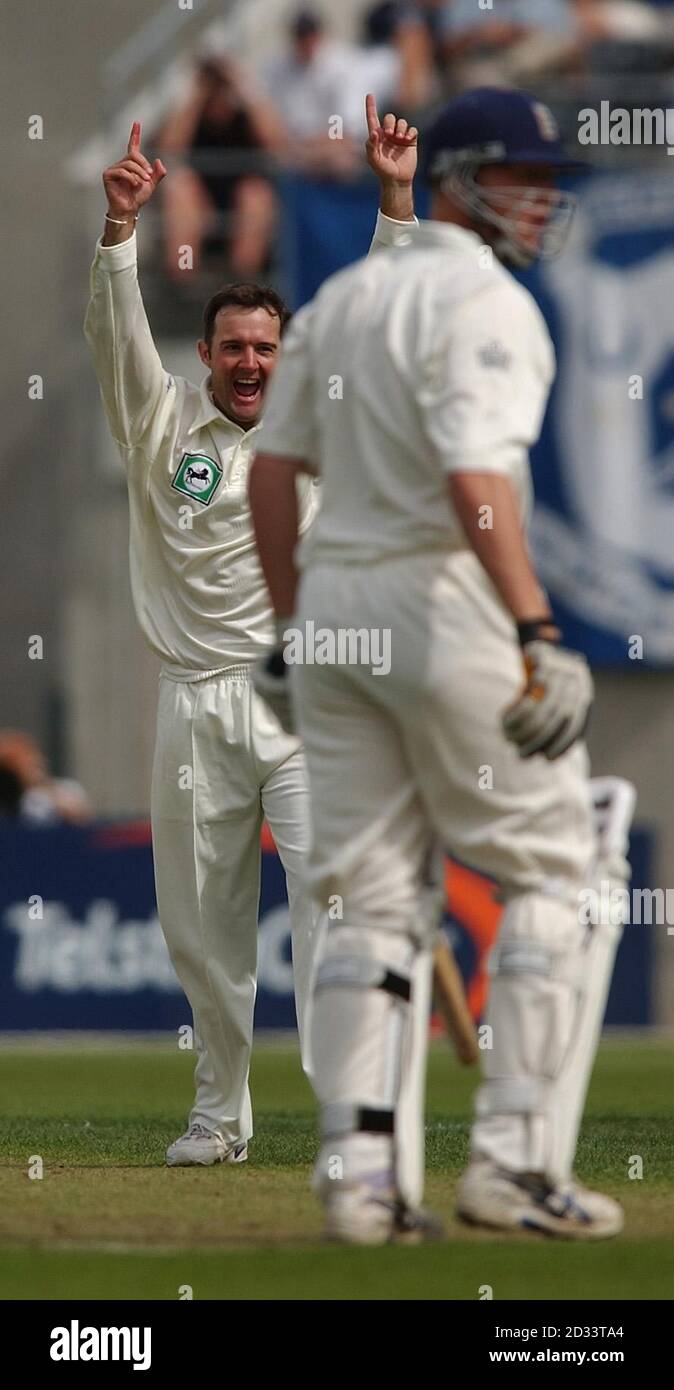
[[494, 354], [197, 476], [547, 125]]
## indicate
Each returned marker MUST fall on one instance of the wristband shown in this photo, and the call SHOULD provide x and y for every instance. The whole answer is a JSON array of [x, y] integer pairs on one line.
[[120, 222], [538, 630]]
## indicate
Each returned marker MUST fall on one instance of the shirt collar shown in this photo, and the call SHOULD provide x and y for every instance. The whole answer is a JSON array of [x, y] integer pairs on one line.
[[448, 234], [208, 413]]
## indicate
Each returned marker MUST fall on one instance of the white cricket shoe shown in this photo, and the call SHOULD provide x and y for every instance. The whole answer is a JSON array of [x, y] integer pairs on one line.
[[491, 1196], [369, 1214], [201, 1146]]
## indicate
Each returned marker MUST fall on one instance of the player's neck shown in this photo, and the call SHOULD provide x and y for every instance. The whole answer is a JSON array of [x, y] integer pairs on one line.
[[444, 210]]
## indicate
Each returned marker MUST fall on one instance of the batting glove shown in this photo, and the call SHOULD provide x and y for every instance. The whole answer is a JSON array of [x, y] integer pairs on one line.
[[270, 680], [552, 711]]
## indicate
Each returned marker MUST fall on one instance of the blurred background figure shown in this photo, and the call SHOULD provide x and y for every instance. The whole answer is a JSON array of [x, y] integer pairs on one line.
[[308, 83], [630, 46], [319, 78], [216, 195], [429, 20], [28, 792], [512, 43], [397, 60]]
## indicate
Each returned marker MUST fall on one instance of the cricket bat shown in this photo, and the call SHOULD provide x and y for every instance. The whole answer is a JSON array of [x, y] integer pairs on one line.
[[450, 1000]]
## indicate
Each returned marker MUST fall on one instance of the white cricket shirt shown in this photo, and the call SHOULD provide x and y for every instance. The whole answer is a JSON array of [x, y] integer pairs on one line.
[[425, 359], [197, 584]]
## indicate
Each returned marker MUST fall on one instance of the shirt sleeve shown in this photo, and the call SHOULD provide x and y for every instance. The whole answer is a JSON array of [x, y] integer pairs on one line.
[[130, 373], [289, 425], [389, 232], [483, 385]]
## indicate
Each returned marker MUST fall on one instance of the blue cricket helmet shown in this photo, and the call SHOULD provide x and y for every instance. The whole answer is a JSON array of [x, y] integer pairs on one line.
[[494, 125], [497, 126]]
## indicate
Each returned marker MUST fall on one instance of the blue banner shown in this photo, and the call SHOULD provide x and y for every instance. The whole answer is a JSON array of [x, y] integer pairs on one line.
[[81, 946], [80, 940], [604, 468]]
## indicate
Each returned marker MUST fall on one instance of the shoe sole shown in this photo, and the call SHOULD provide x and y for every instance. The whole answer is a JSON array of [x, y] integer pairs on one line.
[[349, 1232], [184, 1162], [557, 1230], [195, 1162]]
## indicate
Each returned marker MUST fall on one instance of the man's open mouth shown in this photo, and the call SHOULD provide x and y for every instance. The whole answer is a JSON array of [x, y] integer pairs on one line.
[[247, 389]]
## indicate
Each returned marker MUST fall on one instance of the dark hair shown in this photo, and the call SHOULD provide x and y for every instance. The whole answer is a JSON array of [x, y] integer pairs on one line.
[[304, 23], [244, 296], [380, 23]]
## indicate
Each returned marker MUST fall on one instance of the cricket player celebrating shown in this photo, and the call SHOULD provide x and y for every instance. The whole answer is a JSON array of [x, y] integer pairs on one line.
[[222, 759], [474, 736]]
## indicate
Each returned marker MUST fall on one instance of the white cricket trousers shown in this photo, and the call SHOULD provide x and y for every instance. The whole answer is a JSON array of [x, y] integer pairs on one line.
[[398, 759], [221, 764], [392, 756]]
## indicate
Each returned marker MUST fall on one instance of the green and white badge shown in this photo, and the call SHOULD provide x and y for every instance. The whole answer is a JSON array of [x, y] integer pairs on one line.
[[197, 476]]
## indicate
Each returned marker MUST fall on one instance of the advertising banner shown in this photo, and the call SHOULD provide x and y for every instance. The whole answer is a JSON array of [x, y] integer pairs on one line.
[[81, 946]]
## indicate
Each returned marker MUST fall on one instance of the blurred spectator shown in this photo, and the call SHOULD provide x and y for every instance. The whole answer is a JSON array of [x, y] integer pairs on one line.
[[306, 81], [625, 35], [428, 18], [28, 792], [319, 79], [515, 42], [397, 60], [312, 83], [638, 21], [225, 115]]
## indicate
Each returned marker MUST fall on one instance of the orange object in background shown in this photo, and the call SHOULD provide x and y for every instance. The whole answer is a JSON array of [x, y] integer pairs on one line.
[[470, 899], [266, 838]]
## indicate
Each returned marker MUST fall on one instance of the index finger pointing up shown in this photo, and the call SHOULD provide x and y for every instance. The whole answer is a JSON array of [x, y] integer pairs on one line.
[[134, 138], [371, 113]]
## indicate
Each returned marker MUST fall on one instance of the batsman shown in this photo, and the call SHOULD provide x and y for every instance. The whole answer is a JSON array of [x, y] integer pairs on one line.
[[475, 737]]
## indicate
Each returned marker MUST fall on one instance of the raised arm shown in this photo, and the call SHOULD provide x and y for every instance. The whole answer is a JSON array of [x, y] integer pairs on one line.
[[127, 363], [391, 152], [129, 184]]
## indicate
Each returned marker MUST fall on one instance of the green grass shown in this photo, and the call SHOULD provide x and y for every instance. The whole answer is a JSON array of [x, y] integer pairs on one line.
[[108, 1219], [456, 1270]]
